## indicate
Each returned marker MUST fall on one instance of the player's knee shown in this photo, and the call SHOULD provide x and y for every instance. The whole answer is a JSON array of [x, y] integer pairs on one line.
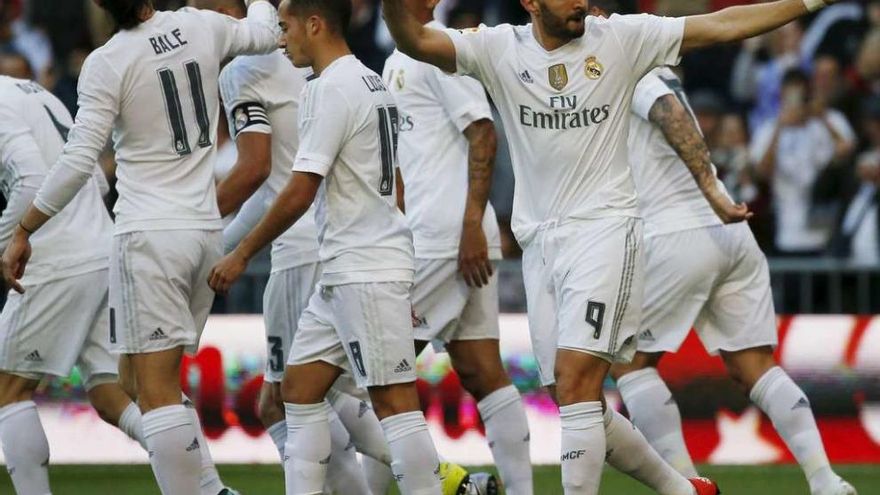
[[579, 377], [270, 408], [391, 400], [482, 377], [15, 388], [747, 367], [640, 361]]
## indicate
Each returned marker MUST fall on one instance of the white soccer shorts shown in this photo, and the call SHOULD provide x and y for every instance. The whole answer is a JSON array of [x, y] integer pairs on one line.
[[53, 326], [365, 329], [584, 289], [447, 309], [285, 299], [159, 293], [713, 278]]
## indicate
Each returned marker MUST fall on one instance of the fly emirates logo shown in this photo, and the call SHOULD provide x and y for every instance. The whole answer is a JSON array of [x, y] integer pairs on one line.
[[563, 114]]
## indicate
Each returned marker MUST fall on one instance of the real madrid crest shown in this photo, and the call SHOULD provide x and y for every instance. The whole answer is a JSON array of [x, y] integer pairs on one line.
[[241, 118], [593, 68], [400, 80], [558, 76]]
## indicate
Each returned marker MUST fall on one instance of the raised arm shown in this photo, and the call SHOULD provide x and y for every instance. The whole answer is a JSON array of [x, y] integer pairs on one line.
[[745, 21], [418, 41], [680, 130]]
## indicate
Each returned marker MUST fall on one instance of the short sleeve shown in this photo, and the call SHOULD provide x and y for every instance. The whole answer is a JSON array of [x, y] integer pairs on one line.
[[321, 134], [650, 89], [463, 98], [650, 40], [245, 108]]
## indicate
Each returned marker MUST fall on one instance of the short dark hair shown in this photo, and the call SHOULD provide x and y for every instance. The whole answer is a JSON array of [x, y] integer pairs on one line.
[[337, 13], [795, 76], [126, 12]]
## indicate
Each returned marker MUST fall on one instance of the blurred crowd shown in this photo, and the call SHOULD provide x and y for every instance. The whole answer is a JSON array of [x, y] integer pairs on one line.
[[792, 118]]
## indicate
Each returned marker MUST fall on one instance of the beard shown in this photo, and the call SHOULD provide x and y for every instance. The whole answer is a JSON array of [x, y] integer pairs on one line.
[[569, 27]]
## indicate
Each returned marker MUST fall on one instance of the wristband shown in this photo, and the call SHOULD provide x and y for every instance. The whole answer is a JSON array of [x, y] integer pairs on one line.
[[22, 227], [814, 5]]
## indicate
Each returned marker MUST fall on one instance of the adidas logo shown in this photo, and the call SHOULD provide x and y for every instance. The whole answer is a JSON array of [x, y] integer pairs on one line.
[[193, 446], [363, 408], [158, 335], [34, 357], [647, 336], [420, 321], [803, 402], [528, 437], [325, 461], [526, 77], [403, 367]]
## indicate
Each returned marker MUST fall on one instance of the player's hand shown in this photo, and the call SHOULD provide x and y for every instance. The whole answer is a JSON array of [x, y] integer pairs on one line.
[[473, 256], [15, 259], [728, 211], [226, 272]]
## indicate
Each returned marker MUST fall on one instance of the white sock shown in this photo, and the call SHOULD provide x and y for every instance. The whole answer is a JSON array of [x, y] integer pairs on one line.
[[25, 447], [278, 433], [789, 409], [507, 430], [131, 423], [583, 447], [344, 473], [653, 410], [173, 444], [415, 462], [307, 451], [209, 478], [379, 475], [362, 424], [630, 453]]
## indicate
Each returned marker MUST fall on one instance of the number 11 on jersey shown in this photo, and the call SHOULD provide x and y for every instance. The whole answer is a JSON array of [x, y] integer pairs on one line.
[[174, 108]]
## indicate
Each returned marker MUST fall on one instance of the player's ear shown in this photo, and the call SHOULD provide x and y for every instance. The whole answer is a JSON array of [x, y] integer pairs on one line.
[[531, 6]]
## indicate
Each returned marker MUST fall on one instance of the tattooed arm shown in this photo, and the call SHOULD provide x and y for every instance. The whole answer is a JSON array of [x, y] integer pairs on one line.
[[473, 251], [681, 133]]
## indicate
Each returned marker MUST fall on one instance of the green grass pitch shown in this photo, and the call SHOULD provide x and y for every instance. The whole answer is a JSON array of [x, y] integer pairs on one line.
[[268, 480]]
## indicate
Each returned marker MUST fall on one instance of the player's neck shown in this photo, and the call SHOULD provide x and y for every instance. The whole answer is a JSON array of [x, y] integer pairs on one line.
[[548, 41], [328, 53]]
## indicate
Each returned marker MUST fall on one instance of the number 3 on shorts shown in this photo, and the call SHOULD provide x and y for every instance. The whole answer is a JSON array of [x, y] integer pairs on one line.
[[595, 317]]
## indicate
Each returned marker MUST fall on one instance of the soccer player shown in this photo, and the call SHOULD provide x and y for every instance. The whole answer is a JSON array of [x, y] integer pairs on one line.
[[564, 87], [261, 97], [447, 152], [358, 320], [60, 319], [701, 272], [154, 84]]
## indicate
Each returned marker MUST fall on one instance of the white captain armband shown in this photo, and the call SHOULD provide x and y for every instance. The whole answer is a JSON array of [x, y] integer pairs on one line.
[[250, 117]]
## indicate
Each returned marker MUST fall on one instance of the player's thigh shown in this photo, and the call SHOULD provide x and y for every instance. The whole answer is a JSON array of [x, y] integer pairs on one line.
[[315, 341], [740, 314], [43, 330], [680, 271], [439, 296], [96, 362], [201, 295], [541, 309], [599, 282], [152, 287], [284, 301], [374, 324]]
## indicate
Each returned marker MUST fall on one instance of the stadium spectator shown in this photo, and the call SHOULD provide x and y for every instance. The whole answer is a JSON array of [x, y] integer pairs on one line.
[[790, 152], [859, 236], [759, 82]]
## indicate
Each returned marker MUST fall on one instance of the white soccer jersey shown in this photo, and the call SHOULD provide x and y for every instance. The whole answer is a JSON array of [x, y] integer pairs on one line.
[[669, 198], [155, 87], [33, 127], [261, 94], [435, 108], [567, 112], [348, 134]]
